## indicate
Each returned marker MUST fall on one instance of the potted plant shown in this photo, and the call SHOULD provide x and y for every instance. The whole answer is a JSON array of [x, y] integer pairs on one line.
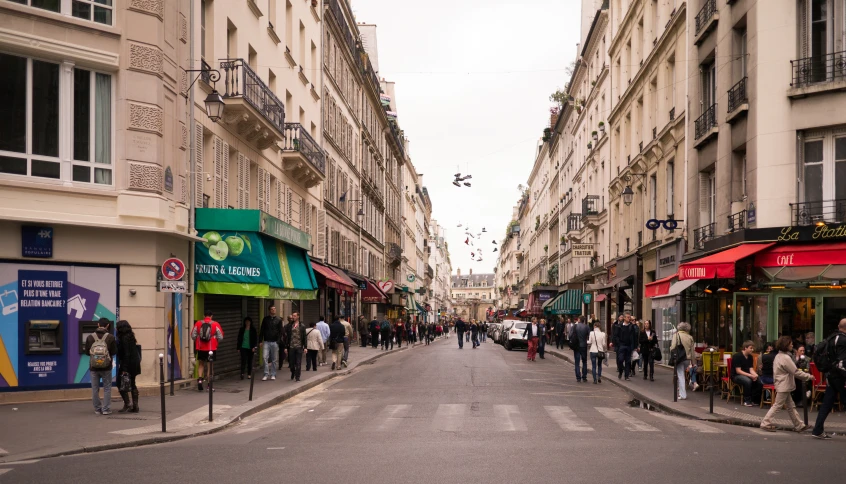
[[590, 146], [545, 248], [595, 135], [547, 134], [602, 126], [563, 240], [593, 83]]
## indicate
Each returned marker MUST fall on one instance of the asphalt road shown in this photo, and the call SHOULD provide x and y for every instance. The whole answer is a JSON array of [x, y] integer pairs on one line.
[[439, 414]]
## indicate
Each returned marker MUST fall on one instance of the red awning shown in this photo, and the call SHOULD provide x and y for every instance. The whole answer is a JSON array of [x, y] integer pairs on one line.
[[600, 297], [803, 255], [332, 278], [373, 294], [721, 264], [659, 288]]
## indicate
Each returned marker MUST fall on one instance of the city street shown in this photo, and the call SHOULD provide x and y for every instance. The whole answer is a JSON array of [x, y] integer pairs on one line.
[[449, 415]]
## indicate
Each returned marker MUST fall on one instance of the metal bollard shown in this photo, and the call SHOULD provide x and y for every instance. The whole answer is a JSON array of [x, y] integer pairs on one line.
[[253, 372], [712, 380], [675, 385], [162, 390], [805, 399], [210, 376]]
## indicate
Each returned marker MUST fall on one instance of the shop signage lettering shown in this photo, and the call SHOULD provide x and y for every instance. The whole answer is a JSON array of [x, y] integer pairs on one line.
[[694, 273], [278, 229], [822, 232], [665, 261], [228, 270], [785, 260], [42, 314], [582, 250]]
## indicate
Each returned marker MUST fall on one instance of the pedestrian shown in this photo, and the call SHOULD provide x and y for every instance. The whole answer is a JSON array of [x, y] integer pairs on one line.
[[385, 328], [399, 331], [785, 373], [637, 326], [684, 339], [336, 343], [598, 344], [615, 341], [579, 344], [129, 366], [295, 335], [627, 341], [648, 342], [374, 333], [246, 342], [485, 332], [314, 344], [271, 334], [363, 331], [531, 335], [559, 333], [101, 348], [832, 352], [474, 330], [348, 331], [467, 336], [542, 338], [323, 327], [460, 327], [207, 334]]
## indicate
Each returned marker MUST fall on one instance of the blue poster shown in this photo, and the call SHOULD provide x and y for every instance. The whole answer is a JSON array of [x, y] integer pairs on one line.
[[42, 318]]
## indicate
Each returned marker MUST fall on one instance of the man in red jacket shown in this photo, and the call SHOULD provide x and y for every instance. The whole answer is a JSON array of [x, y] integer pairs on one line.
[[207, 334]]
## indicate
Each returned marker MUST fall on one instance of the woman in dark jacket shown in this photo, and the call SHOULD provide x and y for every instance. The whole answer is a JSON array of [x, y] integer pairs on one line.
[[247, 341], [129, 362], [647, 341]]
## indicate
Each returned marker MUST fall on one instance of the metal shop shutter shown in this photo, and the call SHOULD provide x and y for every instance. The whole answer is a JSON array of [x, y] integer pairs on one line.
[[227, 311]]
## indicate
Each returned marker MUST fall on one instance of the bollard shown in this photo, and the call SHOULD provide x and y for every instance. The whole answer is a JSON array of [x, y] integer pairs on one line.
[[675, 385], [162, 390], [253, 372], [210, 376], [805, 399], [712, 380]]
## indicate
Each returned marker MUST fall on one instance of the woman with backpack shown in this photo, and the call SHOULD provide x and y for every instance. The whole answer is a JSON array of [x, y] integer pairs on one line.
[[129, 366], [681, 357]]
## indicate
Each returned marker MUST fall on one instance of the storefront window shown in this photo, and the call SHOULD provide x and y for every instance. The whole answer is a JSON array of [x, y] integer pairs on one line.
[[796, 316], [700, 316], [834, 309], [666, 321], [751, 322]]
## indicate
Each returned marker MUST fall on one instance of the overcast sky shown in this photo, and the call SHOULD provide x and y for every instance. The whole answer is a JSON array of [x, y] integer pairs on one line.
[[473, 80]]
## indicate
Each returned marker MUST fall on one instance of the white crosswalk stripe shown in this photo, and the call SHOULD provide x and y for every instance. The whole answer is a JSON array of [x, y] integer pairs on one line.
[[694, 425], [509, 418], [449, 417], [391, 416], [567, 419], [338, 413], [278, 415], [625, 420]]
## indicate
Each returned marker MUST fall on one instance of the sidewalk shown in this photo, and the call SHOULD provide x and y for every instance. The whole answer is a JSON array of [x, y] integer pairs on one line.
[[41, 430], [658, 395]]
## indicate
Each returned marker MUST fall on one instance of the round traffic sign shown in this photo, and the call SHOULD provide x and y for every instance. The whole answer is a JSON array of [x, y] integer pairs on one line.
[[173, 269]]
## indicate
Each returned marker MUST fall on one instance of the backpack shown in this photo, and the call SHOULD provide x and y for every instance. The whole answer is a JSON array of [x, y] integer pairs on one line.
[[205, 332], [825, 354], [99, 354], [385, 325]]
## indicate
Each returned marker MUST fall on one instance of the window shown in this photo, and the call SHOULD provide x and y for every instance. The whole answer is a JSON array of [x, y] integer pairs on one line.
[[51, 5], [31, 141], [98, 10], [653, 196], [743, 53], [824, 167], [708, 73], [203, 7], [670, 179], [712, 197]]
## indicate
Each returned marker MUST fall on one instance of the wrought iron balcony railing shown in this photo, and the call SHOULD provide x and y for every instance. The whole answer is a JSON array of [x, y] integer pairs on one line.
[[205, 74], [817, 69], [673, 113], [737, 95], [394, 254], [574, 222], [705, 122], [590, 205], [706, 13], [818, 212], [702, 235], [737, 221], [297, 139], [241, 81]]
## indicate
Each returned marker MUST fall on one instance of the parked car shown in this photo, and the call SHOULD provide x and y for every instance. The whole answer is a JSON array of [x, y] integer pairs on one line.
[[513, 335]]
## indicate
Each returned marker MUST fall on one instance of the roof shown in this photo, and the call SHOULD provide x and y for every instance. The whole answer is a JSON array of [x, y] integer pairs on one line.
[[476, 279]]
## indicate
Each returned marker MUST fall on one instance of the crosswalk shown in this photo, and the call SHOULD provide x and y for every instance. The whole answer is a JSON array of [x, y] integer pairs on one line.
[[458, 417]]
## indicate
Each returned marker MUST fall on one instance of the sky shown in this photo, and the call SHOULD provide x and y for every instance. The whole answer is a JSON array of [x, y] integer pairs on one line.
[[473, 80]]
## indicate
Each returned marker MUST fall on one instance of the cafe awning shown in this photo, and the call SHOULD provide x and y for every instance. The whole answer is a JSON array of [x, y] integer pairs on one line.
[[668, 300], [660, 287], [332, 279], [719, 265], [812, 262], [372, 294]]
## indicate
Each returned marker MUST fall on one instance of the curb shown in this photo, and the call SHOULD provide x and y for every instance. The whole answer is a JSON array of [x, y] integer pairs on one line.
[[664, 408], [162, 439]]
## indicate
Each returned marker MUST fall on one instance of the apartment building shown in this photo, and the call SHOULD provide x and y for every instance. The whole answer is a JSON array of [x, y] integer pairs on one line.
[[442, 266], [472, 295], [507, 268], [95, 180]]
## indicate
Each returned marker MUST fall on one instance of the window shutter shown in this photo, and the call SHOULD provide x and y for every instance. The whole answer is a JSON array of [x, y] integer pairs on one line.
[[225, 164], [199, 166], [263, 190], [704, 198], [221, 173], [243, 181], [320, 243], [281, 200], [289, 202], [307, 225], [802, 28], [349, 196]]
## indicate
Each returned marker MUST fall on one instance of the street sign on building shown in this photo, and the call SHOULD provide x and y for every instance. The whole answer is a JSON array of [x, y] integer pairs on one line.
[[582, 251]]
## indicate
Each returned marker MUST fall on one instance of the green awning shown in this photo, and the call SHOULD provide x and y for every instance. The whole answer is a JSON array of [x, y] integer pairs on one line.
[[250, 264], [568, 302], [410, 304]]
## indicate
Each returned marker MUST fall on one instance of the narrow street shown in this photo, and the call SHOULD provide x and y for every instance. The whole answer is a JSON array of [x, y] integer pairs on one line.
[[448, 415]]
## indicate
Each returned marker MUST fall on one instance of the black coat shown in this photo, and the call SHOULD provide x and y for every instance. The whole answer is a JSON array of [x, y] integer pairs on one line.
[[253, 337], [644, 342], [128, 355], [289, 329]]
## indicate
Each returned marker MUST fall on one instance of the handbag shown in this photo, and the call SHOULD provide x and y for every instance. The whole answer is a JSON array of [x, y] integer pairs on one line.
[[635, 355], [677, 354], [600, 355], [125, 383], [656, 354]]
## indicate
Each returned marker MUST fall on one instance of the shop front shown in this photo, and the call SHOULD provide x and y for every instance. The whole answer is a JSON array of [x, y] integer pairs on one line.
[[568, 302], [336, 292], [537, 298], [247, 261], [663, 296]]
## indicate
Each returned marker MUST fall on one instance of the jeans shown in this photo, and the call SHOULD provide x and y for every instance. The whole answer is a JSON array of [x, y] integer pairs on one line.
[[468, 337], [270, 353], [750, 388], [680, 368], [461, 339], [542, 346], [595, 367], [581, 354], [386, 339], [106, 376], [484, 337], [246, 360], [624, 359], [295, 361], [648, 364], [475, 338], [311, 360], [559, 341], [831, 391], [346, 347]]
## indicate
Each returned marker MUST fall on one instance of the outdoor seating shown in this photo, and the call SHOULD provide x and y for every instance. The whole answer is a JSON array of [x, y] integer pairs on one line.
[[765, 391]]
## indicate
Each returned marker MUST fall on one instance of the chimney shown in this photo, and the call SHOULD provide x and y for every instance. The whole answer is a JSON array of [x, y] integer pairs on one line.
[[471, 271], [458, 271]]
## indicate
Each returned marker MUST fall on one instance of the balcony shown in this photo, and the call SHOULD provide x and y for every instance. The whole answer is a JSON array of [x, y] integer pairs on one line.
[[706, 20], [302, 158], [702, 235], [430, 273], [737, 221], [706, 126], [591, 208], [251, 107], [394, 255], [738, 100], [673, 113], [818, 212], [574, 224], [817, 74]]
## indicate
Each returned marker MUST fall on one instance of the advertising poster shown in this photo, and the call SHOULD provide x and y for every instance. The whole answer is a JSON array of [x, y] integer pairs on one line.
[[180, 334], [73, 294]]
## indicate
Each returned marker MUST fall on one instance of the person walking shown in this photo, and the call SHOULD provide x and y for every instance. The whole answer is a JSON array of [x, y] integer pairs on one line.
[[207, 335], [648, 342], [467, 336], [314, 344], [636, 361], [271, 334], [785, 374], [424, 332], [399, 331], [627, 341], [374, 333], [615, 342], [460, 327], [129, 366], [541, 337], [348, 332], [385, 328], [579, 342], [531, 335], [832, 350], [474, 333], [101, 348], [598, 344], [295, 335], [559, 333], [363, 331], [323, 327], [336, 343], [246, 342], [684, 339]]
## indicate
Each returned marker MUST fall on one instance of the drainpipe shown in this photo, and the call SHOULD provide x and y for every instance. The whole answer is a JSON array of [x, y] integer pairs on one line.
[[193, 188]]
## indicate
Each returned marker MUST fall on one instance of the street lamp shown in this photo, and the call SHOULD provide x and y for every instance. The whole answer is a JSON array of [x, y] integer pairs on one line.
[[628, 193], [214, 101]]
